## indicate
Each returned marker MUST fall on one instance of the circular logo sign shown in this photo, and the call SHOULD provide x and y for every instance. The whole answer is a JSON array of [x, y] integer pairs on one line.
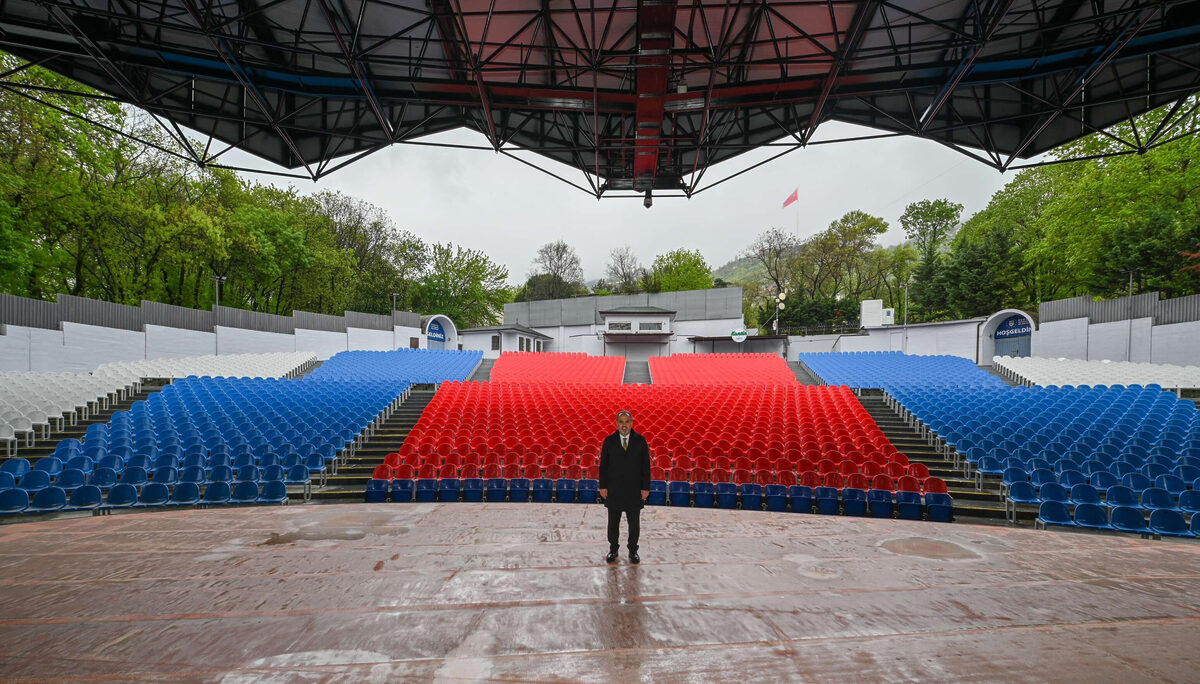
[[738, 335]]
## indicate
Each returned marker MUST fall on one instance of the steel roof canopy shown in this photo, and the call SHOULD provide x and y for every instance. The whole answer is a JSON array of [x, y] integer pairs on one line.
[[637, 95]]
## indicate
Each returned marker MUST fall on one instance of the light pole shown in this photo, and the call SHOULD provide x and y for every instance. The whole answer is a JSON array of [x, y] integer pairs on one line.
[[779, 304], [394, 295], [217, 280], [1129, 315], [904, 343]]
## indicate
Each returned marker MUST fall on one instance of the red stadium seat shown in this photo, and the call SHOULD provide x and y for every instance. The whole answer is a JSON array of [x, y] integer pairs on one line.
[[786, 478], [908, 483], [469, 471], [403, 472], [742, 476], [721, 475], [835, 480], [918, 470], [492, 470], [512, 471], [765, 476], [858, 481], [934, 485], [657, 473], [848, 468], [382, 472]]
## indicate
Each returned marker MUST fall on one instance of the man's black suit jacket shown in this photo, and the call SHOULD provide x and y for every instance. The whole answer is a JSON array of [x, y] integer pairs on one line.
[[625, 472]]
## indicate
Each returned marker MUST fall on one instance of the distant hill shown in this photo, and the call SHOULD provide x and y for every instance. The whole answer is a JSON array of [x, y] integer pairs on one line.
[[740, 270]]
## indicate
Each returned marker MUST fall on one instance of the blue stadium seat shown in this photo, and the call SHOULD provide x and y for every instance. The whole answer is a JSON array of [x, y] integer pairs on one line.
[[680, 493], [123, 495], [273, 491], [1169, 524], [448, 488], [543, 490], [50, 465], [881, 502], [1189, 501], [244, 492], [827, 500], [1054, 513], [34, 481], [1084, 494], [752, 496], [81, 463], [1137, 482], [13, 501], [153, 495], [909, 505], [1103, 480], [71, 479], [402, 490], [497, 489], [216, 494], [854, 501], [1092, 516], [377, 490], [518, 489], [103, 478], [940, 507], [427, 490], [800, 498], [472, 489], [7, 481], [589, 491], [1020, 493], [1052, 491], [184, 494], [1120, 495], [1043, 476], [1155, 499], [726, 495], [135, 476], [1129, 519], [1171, 483], [87, 497], [658, 493], [48, 500], [776, 496]]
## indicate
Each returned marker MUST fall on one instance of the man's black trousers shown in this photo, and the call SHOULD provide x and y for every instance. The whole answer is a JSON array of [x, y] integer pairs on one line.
[[614, 528]]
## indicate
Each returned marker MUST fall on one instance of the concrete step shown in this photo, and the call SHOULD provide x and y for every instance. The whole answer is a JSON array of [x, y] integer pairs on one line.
[[637, 373], [803, 375], [483, 372]]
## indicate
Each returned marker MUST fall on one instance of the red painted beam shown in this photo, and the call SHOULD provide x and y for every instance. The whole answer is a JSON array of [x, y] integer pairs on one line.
[[656, 22]]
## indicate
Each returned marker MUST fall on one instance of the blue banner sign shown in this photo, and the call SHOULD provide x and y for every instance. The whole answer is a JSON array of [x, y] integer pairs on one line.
[[1015, 325]]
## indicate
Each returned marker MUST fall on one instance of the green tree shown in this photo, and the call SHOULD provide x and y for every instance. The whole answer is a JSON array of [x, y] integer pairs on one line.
[[465, 285], [929, 224], [680, 269]]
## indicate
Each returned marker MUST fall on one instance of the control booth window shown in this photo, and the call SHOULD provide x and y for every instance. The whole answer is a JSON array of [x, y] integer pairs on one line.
[[414, 343], [650, 326], [495, 343], [620, 325]]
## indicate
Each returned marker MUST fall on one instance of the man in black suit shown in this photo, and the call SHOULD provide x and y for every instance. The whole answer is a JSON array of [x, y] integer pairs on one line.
[[624, 483]]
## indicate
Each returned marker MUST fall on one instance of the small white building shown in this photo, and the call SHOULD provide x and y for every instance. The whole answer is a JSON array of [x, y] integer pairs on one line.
[[494, 339], [636, 326]]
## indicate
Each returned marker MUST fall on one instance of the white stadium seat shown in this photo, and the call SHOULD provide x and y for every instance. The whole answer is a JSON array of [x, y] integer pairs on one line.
[[1077, 372]]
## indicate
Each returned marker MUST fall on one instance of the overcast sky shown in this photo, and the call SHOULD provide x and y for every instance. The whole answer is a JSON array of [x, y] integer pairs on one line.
[[490, 202]]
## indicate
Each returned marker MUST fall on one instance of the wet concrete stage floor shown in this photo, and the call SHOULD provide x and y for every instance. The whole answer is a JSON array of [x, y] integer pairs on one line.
[[519, 592]]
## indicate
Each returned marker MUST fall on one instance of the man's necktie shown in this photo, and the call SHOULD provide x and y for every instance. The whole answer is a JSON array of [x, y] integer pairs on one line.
[[625, 443]]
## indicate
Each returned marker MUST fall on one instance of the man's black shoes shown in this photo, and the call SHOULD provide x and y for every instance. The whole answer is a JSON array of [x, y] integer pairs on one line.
[[634, 558], [611, 557]]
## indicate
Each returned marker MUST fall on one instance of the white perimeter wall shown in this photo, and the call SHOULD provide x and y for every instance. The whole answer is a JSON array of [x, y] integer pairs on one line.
[[173, 343], [320, 342], [1177, 343], [953, 338], [81, 348]]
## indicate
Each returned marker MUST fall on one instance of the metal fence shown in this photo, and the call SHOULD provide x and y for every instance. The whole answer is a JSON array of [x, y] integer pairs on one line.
[[315, 321], [1145, 305], [37, 313], [29, 313], [355, 319], [86, 311], [170, 316]]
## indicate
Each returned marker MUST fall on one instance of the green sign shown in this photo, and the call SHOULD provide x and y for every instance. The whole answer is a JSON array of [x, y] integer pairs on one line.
[[738, 335]]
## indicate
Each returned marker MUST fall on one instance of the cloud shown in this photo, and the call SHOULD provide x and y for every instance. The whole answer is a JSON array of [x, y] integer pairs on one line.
[[490, 202]]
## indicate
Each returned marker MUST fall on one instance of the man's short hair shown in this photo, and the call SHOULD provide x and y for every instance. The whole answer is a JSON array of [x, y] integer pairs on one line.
[[624, 413]]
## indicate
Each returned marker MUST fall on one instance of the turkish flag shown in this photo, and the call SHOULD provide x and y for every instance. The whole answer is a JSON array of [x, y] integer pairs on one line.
[[795, 196]]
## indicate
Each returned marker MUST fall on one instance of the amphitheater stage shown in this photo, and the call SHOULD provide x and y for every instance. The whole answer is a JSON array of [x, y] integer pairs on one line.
[[519, 592]]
